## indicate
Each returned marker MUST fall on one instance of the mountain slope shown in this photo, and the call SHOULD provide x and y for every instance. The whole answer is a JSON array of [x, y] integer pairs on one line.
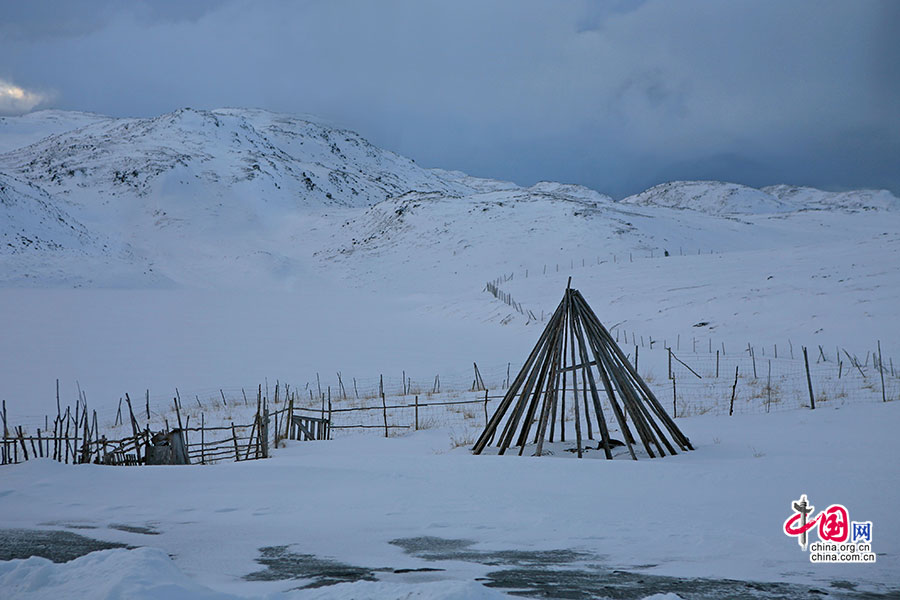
[[272, 158], [713, 197], [249, 198], [807, 198], [24, 130], [722, 198], [31, 221]]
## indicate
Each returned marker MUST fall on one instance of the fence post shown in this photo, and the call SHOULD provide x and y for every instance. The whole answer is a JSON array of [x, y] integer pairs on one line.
[[417, 412], [674, 400], [290, 419], [881, 370], [769, 387], [264, 430], [237, 452], [670, 363], [485, 407], [384, 413], [202, 439], [753, 358], [812, 399], [733, 390]]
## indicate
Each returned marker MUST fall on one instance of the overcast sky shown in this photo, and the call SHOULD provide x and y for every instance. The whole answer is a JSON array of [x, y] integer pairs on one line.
[[616, 95]]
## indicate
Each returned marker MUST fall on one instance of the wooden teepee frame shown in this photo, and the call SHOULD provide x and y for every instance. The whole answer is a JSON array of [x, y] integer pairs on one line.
[[575, 342]]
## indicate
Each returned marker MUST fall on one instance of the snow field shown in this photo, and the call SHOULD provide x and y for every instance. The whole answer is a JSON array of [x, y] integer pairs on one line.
[[713, 512]]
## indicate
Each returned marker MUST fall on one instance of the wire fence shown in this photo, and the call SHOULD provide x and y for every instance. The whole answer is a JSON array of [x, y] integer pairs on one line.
[[695, 384], [687, 383]]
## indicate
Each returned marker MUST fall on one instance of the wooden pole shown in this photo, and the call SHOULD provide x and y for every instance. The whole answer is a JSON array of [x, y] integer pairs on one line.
[[417, 413], [96, 434], [202, 439], [264, 429], [68, 423], [881, 370], [250, 446], [526, 376], [625, 377], [178, 414], [290, 418], [674, 400], [384, 413], [753, 358], [588, 380], [670, 362], [812, 398], [86, 442], [6, 457], [22, 440], [733, 390], [134, 430], [75, 428], [237, 452]]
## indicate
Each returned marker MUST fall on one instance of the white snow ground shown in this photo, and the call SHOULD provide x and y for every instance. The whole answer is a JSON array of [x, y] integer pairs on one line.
[[716, 512], [221, 249]]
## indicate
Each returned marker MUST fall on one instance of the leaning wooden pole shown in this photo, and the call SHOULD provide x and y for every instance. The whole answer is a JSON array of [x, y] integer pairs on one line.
[[812, 398], [513, 389]]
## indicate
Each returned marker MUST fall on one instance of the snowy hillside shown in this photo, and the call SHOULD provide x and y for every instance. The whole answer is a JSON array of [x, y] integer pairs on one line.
[[18, 132], [265, 157], [31, 221], [716, 197], [709, 196], [243, 198], [807, 198]]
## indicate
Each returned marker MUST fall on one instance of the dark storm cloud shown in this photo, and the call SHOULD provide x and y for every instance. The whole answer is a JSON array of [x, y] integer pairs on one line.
[[615, 95]]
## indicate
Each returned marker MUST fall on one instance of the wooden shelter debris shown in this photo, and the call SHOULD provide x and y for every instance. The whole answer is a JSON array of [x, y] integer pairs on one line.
[[576, 360]]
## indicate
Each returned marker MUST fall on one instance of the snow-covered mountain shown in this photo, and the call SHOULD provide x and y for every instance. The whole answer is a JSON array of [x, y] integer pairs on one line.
[[34, 222], [807, 198], [709, 196], [717, 197], [240, 197], [21, 131], [263, 156]]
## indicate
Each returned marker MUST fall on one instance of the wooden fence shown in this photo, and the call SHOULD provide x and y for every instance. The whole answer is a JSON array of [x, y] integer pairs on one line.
[[76, 437]]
